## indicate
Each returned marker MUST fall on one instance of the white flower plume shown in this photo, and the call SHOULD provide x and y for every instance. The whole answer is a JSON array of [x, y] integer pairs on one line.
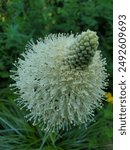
[[61, 80]]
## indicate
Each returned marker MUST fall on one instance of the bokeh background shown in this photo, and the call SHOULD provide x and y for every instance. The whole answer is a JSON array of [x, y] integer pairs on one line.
[[22, 20]]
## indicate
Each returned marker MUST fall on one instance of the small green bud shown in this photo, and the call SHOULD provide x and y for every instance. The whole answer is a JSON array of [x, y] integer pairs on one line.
[[83, 50]]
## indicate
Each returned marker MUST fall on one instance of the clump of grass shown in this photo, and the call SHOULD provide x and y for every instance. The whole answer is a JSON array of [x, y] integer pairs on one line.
[[17, 133]]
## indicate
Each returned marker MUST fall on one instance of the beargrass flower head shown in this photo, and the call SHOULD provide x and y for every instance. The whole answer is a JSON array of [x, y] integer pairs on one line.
[[61, 80]]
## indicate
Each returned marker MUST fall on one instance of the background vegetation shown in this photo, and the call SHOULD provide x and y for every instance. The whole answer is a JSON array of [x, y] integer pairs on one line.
[[21, 20]]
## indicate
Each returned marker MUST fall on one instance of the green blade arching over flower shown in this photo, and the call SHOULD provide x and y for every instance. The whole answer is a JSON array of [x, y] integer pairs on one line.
[[61, 80]]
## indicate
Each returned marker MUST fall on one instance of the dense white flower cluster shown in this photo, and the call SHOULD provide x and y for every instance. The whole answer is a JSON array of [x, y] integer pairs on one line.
[[61, 80]]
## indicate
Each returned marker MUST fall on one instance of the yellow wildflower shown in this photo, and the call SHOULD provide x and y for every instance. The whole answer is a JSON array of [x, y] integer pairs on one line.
[[109, 97]]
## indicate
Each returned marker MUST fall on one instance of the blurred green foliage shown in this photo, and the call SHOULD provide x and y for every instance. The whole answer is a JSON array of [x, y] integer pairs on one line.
[[17, 134], [21, 20]]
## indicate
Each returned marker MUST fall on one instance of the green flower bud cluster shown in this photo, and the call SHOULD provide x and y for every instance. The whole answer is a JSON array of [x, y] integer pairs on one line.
[[82, 50]]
